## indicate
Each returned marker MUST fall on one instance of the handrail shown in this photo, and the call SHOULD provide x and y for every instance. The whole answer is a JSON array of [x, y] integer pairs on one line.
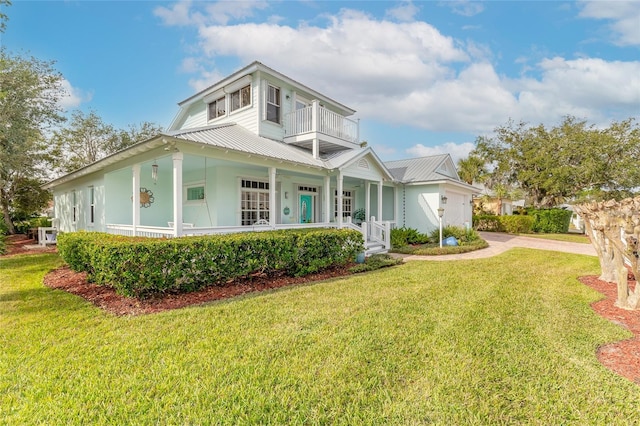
[[381, 232], [327, 122]]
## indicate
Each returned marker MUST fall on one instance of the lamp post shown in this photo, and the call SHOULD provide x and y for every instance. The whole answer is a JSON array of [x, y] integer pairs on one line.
[[440, 214]]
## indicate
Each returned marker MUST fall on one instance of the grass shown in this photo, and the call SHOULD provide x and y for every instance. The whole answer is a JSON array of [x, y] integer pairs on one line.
[[505, 340], [570, 238]]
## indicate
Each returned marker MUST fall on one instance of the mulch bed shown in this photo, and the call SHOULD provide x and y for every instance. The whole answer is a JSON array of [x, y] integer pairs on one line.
[[621, 357]]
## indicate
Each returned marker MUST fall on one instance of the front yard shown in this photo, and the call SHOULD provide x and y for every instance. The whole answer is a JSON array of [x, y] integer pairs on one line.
[[509, 339]]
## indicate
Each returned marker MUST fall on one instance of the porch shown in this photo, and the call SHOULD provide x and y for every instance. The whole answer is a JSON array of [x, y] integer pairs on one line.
[[320, 130]]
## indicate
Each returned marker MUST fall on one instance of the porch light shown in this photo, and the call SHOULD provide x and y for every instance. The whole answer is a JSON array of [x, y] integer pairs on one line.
[[154, 172], [444, 199]]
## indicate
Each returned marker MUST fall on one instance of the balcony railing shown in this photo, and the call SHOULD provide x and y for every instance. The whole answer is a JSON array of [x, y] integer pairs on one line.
[[318, 119]]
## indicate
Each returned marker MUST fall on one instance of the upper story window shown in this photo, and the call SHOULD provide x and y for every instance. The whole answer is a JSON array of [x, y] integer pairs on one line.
[[273, 104], [240, 98], [217, 108]]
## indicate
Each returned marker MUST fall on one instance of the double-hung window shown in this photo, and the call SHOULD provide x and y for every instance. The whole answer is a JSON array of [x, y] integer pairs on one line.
[[254, 201], [273, 104], [240, 98], [217, 108]]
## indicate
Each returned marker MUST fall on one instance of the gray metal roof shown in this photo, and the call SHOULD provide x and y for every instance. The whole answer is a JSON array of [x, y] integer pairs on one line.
[[418, 169], [234, 137]]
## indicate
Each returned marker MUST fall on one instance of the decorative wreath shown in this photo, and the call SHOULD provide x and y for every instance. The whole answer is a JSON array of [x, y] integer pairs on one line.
[[146, 197]]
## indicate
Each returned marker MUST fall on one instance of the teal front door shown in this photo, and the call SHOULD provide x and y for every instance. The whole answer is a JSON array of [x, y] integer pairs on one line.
[[306, 208]]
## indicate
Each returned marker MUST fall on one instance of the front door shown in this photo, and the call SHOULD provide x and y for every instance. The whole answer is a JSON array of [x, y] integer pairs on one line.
[[306, 208]]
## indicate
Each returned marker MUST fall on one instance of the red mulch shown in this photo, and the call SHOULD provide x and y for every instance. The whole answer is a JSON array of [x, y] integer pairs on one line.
[[621, 357], [17, 244]]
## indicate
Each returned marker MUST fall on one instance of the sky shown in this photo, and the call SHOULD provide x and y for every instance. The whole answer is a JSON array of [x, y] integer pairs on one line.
[[425, 77]]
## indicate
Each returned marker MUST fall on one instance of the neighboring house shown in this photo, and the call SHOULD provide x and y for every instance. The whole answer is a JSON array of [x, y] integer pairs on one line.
[[488, 202], [256, 151]]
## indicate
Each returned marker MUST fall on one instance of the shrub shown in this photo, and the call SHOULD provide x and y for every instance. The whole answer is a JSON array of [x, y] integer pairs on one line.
[[145, 266], [517, 224], [404, 236], [551, 221], [487, 222], [463, 235], [23, 226]]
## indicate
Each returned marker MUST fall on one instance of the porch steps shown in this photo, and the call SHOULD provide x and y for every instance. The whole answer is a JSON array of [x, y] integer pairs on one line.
[[374, 248]]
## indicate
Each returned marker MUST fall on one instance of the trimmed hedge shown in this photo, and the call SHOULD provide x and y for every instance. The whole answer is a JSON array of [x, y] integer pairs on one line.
[[551, 221], [142, 267], [517, 224]]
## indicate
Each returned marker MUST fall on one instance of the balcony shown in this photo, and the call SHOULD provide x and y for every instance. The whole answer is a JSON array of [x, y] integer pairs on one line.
[[321, 130]]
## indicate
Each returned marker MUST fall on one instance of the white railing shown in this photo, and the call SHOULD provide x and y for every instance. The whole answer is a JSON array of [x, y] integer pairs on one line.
[[347, 223], [166, 232], [380, 232], [315, 118]]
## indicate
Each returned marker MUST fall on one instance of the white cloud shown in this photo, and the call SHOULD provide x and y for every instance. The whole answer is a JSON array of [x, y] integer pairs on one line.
[[456, 150], [409, 73], [73, 96], [464, 7], [625, 17], [220, 12], [405, 12]]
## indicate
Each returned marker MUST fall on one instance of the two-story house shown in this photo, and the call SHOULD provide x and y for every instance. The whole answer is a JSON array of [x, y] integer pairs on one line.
[[258, 150]]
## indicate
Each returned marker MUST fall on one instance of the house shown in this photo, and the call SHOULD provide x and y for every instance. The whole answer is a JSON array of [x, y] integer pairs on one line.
[[488, 201], [258, 150]]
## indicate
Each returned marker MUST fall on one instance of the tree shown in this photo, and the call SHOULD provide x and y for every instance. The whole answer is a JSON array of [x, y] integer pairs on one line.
[[29, 93], [471, 169], [614, 228], [569, 161], [88, 139], [3, 16]]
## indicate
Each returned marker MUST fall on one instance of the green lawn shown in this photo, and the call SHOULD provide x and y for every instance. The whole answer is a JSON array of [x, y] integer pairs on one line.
[[569, 238], [506, 340]]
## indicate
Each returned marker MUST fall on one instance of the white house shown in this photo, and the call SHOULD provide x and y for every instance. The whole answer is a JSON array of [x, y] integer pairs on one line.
[[258, 150]]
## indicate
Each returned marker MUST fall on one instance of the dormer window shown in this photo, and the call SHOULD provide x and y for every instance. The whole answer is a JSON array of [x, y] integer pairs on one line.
[[241, 98], [273, 104], [217, 108]]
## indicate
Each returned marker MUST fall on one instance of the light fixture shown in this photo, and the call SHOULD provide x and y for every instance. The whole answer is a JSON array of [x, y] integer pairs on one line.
[[444, 199], [154, 172], [440, 214]]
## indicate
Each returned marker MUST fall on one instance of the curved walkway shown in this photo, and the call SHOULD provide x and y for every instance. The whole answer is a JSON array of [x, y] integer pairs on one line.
[[499, 243]]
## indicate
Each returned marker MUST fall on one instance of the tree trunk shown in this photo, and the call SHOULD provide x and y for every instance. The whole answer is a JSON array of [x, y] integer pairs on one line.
[[604, 252], [4, 205]]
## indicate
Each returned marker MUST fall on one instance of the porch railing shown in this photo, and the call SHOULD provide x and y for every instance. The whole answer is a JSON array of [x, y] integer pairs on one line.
[[315, 118], [380, 232], [166, 232]]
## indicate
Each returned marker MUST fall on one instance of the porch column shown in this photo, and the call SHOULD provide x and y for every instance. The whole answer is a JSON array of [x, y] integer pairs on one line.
[[315, 110], [395, 204], [367, 201], [339, 189], [177, 193], [380, 201], [272, 197], [135, 218], [327, 199]]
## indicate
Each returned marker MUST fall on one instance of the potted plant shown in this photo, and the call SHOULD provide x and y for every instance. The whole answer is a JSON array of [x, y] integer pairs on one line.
[[359, 216]]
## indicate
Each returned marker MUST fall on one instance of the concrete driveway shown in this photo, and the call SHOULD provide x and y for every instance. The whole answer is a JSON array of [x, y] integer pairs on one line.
[[499, 243]]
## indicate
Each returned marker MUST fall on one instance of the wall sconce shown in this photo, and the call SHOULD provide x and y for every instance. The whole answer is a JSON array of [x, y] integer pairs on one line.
[[288, 97], [154, 172], [286, 195], [444, 199]]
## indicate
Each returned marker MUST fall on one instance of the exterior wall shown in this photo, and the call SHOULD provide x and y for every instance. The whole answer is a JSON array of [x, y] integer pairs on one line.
[[420, 207], [388, 203], [63, 206]]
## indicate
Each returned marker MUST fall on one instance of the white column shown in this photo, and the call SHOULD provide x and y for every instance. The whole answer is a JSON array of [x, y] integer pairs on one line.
[[272, 197], [367, 202], [135, 218], [395, 205], [380, 201], [315, 148], [177, 194], [327, 199], [339, 189]]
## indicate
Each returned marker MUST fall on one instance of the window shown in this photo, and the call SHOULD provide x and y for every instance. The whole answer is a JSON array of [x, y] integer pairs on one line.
[[92, 205], [240, 98], [347, 204], [194, 192], [217, 108], [75, 207], [308, 188], [273, 104], [254, 201]]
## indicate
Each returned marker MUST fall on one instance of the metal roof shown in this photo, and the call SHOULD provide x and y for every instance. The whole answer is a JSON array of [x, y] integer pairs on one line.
[[418, 169], [237, 138]]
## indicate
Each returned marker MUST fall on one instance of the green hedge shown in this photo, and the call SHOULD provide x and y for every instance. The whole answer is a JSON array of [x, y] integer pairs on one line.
[[144, 266], [551, 221], [487, 222], [517, 224]]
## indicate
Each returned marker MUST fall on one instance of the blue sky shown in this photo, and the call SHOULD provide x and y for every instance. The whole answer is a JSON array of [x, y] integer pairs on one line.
[[426, 77]]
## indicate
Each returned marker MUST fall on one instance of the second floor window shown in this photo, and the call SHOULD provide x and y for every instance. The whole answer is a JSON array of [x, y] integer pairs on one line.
[[217, 108], [273, 104], [240, 98]]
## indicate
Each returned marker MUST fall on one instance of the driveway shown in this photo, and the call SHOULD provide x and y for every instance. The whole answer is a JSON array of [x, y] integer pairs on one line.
[[499, 243]]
